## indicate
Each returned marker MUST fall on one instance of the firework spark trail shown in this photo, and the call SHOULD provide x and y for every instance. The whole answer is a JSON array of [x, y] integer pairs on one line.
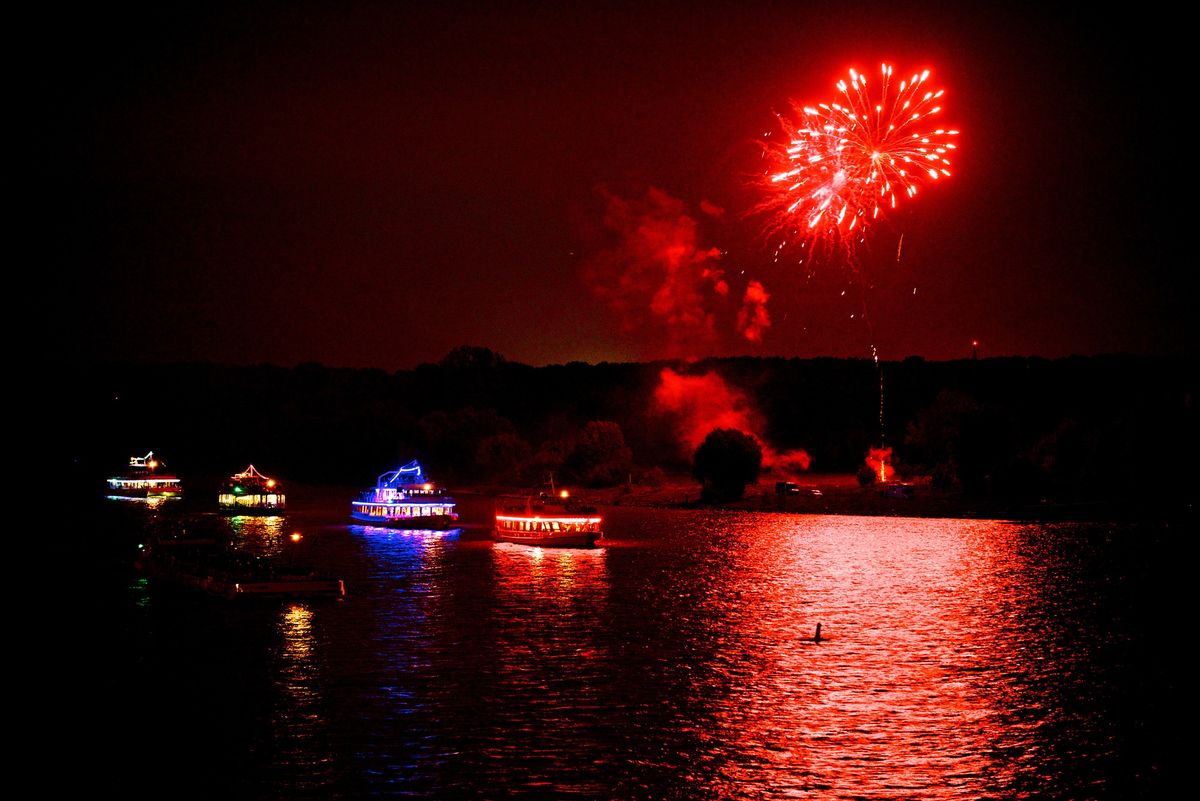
[[874, 358], [847, 163]]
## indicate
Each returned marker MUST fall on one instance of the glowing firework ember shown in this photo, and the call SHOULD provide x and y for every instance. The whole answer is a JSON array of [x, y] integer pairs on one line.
[[846, 163], [879, 460]]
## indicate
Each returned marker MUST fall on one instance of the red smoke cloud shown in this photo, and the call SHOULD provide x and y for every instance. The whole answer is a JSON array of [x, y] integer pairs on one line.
[[752, 318], [662, 283], [700, 403], [789, 461], [879, 460]]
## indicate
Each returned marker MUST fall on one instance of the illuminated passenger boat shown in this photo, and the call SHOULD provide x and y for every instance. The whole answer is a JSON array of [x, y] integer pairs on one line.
[[145, 479], [405, 498], [547, 521], [251, 493]]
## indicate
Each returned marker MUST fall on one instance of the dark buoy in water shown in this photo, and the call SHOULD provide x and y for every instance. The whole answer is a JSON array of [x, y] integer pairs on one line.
[[817, 636]]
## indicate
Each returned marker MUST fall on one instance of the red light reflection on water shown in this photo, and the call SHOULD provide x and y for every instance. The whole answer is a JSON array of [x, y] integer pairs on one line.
[[959, 659], [546, 599], [547, 610], [889, 703]]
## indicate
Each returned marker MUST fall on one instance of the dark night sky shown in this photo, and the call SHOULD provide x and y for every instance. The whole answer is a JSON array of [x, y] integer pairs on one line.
[[374, 184]]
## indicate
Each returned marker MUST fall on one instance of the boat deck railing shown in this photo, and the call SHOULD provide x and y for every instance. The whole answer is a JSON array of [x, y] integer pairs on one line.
[[438, 497]]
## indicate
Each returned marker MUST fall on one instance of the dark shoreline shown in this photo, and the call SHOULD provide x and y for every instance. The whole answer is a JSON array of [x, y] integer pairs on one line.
[[830, 494], [841, 495]]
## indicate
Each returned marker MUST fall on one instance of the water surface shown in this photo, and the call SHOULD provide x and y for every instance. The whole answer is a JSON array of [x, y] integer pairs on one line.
[[959, 659]]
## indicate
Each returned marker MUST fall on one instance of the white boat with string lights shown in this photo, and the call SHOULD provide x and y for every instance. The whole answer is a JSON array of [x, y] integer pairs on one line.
[[556, 521], [145, 479], [251, 493], [405, 498]]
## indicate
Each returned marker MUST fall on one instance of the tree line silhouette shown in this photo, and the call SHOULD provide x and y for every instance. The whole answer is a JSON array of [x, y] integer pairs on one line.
[[1016, 427]]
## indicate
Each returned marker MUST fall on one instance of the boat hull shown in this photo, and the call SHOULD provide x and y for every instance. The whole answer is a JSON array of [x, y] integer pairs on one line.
[[565, 540], [423, 521], [256, 511], [547, 525], [144, 500], [141, 494]]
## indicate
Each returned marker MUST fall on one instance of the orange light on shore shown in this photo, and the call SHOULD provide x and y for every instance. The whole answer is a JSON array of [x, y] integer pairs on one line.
[[564, 494], [296, 536]]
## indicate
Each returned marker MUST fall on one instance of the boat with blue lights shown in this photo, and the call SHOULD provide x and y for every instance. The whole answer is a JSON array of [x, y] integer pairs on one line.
[[555, 521], [251, 493], [405, 498], [145, 479]]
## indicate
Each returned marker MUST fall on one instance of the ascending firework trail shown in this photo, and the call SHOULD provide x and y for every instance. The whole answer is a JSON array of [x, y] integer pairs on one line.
[[842, 166]]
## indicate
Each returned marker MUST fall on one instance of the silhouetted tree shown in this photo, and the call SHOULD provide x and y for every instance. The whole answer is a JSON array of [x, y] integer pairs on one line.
[[650, 477], [866, 476], [987, 446], [548, 460], [1017, 428], [726, 461], [452, 439], [502, 457], [935, 436], [471, 357], [601, 457], [1069, 459]]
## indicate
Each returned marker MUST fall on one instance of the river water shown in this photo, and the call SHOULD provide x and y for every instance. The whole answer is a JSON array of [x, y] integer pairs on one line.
[[959, 659]]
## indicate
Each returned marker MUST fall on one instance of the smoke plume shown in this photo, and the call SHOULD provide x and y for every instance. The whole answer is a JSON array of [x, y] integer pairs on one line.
[[752, 318], [663, 284], [699, 403]]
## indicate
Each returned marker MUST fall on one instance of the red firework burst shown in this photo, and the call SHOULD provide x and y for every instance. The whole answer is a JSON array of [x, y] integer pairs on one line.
[[846, 163]]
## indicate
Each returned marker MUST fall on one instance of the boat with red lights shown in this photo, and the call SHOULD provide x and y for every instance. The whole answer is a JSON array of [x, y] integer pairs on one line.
[[145, 478], [251, 493], [548, 521], [405, 498]]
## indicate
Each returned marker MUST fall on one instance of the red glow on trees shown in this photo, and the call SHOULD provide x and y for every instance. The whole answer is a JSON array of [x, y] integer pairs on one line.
[[699, 404]]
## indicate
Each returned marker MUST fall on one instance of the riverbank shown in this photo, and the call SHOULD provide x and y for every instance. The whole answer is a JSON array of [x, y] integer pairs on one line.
[[841, 494], [818, 494]]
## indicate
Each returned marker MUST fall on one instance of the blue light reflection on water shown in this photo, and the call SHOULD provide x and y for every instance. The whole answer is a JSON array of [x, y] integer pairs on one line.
[[960, 659]]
